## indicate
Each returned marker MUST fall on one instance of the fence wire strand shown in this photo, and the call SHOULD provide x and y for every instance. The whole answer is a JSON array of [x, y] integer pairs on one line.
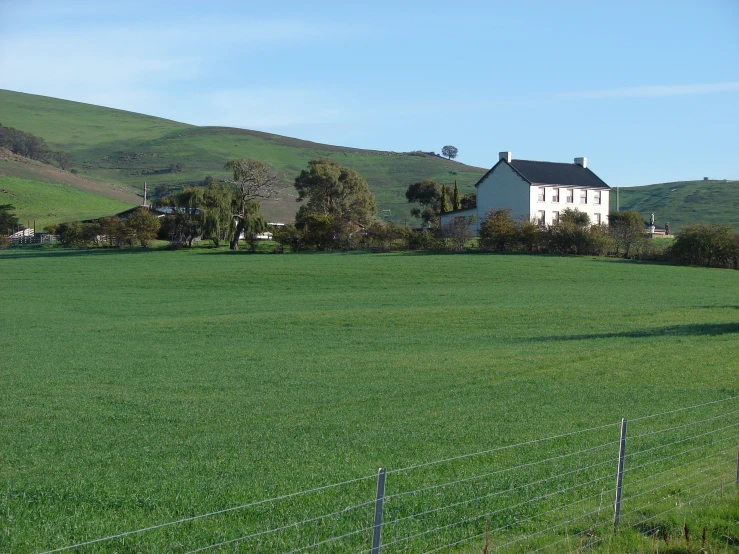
[[695, 406], [209, 514], [284, 527], [301, 535], [638, 452], [634, 437], [506, 470], [500, 448]]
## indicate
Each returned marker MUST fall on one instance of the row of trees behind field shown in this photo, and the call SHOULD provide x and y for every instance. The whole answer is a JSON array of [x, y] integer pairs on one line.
[[700, 244], [140, 227], [338, 212]]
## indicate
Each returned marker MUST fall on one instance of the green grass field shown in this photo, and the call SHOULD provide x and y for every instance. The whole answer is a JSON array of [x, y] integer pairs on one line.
[[145, 386], [33, 198]]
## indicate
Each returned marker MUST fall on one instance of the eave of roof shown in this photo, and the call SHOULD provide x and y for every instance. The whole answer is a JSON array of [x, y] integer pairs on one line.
[[551, 168]]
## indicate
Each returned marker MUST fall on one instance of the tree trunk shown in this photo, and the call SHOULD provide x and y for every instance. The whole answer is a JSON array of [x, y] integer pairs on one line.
[[234, 245]]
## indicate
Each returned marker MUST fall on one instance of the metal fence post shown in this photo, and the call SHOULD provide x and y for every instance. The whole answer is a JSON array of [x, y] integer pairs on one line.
[[620, 475], [379, 500]]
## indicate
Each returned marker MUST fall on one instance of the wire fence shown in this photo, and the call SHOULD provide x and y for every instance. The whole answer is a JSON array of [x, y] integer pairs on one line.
[[555, 493]]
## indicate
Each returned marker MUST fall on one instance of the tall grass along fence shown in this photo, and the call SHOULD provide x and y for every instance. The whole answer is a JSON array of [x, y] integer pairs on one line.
[[568, 492]]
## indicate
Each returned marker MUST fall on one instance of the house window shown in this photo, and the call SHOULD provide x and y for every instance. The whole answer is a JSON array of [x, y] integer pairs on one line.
[[596, 197], [583, 196], [541, 217], [555, 195], [596, 219], [555, 217], [570, 196], [541, 194]]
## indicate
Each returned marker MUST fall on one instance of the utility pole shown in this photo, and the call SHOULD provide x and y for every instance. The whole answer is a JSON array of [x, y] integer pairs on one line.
[[617, 200], [144, 193]]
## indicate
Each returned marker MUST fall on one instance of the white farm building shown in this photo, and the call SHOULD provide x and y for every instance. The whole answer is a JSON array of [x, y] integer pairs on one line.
[[539, 191]]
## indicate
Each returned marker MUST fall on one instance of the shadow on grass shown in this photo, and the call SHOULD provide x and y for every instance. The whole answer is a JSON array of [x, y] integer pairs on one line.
[[688, 330], [26, 253]]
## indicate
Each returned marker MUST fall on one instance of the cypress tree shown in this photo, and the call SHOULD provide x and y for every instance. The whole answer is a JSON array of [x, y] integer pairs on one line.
[[457, 199], [445, 200]]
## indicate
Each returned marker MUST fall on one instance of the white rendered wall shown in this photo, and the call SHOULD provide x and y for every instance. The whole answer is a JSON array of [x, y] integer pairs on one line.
[[446, 219], [503, 188], [549, 207]]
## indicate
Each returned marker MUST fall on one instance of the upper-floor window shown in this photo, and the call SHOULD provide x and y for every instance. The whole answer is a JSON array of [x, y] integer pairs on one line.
[[541, 194], [570, 196], [596, 197], [583, 196], [555, 195]]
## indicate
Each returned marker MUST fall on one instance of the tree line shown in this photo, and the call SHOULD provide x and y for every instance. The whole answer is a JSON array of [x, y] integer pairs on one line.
[[32, 147], [699, 244], [141, 227], [338, 212]]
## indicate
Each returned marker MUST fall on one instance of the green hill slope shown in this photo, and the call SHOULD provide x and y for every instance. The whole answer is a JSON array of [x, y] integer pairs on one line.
[[117, 151], [47, 203], [684, 202], [114, 146]]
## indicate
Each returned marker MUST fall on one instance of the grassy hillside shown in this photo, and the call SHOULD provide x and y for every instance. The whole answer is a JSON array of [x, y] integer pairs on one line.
[[33, 200], [115, 146], [149, 386], [684, 202], [117, 151]]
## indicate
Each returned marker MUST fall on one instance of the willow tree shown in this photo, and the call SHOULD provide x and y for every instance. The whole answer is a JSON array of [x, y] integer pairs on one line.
[[186, 215], [217, 207], [252, 180]]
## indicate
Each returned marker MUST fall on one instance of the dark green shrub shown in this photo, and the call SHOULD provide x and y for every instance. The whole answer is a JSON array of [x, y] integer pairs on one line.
[[498, 231], [708, 245]]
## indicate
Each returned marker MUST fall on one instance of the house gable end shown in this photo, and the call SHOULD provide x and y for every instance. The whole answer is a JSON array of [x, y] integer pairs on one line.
[[492, 169]]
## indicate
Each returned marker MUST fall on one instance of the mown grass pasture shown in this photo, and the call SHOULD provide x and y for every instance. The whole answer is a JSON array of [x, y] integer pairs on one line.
[[142, 386]]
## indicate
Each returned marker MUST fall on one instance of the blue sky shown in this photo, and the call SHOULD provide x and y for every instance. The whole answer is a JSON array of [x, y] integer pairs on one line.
[[648, 91]]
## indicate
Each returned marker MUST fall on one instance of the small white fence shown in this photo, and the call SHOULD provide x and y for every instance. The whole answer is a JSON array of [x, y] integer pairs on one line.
[[560, 493], [31, 238]]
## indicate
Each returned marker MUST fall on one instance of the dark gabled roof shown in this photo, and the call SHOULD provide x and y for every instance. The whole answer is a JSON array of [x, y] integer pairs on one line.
[[553, 173]]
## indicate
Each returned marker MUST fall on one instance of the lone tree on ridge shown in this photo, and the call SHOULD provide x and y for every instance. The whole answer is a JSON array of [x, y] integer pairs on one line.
[[449, 151]]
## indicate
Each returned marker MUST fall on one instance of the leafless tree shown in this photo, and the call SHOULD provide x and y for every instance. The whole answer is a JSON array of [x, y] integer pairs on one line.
[[252, 180]]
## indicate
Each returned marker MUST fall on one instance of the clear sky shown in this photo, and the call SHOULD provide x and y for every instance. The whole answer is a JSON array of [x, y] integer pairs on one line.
[[647, 90]]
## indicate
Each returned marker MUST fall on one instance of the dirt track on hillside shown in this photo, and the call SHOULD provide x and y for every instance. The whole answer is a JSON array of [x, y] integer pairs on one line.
[[12, 165]]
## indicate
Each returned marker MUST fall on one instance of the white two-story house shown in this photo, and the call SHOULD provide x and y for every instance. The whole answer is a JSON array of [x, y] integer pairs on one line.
[[539, 191]]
